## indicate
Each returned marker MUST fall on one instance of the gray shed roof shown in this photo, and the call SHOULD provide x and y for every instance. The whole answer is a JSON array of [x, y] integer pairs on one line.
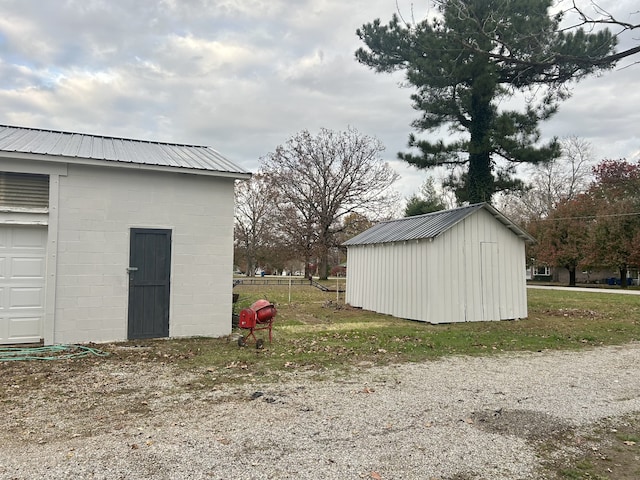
[[429, 225], [116, 151]]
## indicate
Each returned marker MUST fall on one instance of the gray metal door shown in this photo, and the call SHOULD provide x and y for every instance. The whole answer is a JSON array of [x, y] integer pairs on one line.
[[149, 282]]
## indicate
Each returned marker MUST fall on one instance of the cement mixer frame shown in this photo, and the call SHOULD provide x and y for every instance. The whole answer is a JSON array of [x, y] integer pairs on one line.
[[259, 316]]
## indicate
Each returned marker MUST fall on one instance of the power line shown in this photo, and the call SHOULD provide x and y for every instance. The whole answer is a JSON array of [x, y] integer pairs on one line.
[[589, 217]]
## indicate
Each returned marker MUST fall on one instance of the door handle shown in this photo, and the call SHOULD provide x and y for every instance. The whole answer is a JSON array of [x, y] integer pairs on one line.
[[132, 269]]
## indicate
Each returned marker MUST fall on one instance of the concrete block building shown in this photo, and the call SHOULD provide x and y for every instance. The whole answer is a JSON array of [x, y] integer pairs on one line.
[[105, 239]]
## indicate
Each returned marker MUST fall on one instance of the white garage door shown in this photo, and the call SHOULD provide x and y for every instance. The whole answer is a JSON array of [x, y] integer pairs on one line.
[[22, 277]]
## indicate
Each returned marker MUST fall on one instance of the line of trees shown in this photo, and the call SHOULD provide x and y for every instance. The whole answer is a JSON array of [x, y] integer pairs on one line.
[[598, 228], [465, 64], [585, 216], [312, 193], [316, 191]]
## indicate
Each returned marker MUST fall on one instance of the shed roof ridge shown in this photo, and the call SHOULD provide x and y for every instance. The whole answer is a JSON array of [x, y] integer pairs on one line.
[[471, 207], [429, 226], [108, 137]]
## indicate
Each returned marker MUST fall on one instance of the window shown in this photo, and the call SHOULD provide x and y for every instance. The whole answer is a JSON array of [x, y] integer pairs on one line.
[[541, 271], [24, 190]]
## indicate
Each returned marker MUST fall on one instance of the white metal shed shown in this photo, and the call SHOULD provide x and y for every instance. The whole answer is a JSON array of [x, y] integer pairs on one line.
[[105, 238], [461, 265]]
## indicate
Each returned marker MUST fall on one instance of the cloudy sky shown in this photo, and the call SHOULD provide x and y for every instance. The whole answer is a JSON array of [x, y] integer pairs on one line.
[[243, 76]]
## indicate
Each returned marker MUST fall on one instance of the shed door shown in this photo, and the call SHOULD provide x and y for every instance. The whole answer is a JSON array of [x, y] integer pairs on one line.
[[149, 279], [490, 281], [22, 280]]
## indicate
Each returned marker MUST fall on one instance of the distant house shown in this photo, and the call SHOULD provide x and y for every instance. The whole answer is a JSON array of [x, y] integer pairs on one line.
[[600, 276], [105, 239], [460, 265]]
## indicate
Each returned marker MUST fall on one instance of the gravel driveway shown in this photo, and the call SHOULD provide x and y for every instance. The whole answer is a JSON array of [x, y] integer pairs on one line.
[[456, 419]]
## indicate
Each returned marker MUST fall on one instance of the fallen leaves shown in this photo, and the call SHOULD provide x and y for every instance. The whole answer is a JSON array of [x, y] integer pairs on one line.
[[239, 365]]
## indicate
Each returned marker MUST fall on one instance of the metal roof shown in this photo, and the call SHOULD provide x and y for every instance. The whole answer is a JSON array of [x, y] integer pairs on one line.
[[113, 150], [427, 226]]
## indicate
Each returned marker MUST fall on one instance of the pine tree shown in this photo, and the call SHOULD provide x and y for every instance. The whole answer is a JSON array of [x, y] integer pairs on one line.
[[465, 63]]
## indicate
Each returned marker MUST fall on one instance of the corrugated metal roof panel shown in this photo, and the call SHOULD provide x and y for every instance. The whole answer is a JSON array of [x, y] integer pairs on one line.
[[112, 149], [427, 226]]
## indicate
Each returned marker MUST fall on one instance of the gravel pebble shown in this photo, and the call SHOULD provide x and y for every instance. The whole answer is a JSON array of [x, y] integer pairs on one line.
[[457, 418]]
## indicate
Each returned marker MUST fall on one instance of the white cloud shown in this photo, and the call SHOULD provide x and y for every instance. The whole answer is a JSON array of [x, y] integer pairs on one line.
[[241, 75]]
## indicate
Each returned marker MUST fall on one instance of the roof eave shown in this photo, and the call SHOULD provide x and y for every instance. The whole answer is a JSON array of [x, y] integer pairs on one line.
[[368, 238], [509, 224], [121, 164]]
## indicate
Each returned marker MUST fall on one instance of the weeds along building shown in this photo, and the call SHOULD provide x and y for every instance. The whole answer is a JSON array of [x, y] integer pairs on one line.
[[461, 265]]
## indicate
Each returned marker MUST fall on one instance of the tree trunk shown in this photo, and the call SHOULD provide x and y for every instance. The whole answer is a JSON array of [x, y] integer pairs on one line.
[[480, 179], [479, 183], [251, 268], [623, 277], [323, 253], [323, 266], [307, 270], [572, 276]]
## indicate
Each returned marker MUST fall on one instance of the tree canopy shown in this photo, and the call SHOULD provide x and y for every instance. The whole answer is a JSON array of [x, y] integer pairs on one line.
[[599, 228], [427, 201], [616, 230], [564, 235], [470, 58]]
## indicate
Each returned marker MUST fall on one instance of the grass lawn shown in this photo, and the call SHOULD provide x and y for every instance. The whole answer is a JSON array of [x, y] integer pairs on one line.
[[314, 330]]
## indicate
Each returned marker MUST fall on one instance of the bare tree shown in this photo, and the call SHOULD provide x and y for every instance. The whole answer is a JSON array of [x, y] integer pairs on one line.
[[600, 16], [253, 218], [577, 156], [553, 183], [298, 230], [325, 177]]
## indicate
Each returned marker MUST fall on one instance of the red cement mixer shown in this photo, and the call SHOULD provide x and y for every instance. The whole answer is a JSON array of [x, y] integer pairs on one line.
[[258, 316]]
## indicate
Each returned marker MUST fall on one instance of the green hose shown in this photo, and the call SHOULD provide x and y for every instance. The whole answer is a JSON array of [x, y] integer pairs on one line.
[[51, 352]]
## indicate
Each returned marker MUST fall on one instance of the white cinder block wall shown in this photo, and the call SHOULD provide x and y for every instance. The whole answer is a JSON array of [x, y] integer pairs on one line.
[[97, 208]]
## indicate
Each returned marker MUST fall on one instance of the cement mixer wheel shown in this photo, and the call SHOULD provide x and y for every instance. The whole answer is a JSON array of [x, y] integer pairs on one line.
[[242, 342]]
